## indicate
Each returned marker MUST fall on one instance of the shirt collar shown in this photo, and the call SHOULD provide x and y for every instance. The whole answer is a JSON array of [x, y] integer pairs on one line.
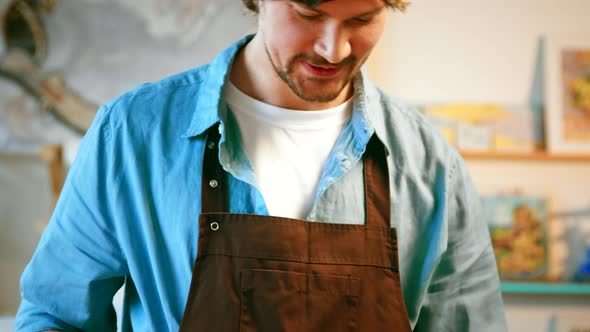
[[369, 111], [209, 99], [360, 121]]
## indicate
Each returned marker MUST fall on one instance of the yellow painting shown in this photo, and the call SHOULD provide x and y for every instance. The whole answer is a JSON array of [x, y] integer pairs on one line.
[[567, 95], [518, 230], [576, 95], [486, 126]]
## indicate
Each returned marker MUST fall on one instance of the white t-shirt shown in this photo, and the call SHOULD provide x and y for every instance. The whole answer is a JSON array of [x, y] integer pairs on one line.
[[288, 148]]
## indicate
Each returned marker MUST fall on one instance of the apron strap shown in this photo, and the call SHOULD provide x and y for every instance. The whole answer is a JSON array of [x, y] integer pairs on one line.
[[377, 196], [214, 192]]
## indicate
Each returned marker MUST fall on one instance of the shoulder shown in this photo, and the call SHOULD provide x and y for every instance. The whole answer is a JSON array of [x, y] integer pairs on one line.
[[166, 87], [415, 144], [169, 101]]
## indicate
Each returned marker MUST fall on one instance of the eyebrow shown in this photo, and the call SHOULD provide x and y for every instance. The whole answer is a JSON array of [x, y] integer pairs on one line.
[[367, 13]]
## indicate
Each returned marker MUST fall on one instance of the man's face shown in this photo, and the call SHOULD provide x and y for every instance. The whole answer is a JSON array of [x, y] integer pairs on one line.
[[317, 51]]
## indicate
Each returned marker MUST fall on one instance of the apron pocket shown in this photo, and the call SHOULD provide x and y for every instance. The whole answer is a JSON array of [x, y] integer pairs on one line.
[[290, 301]]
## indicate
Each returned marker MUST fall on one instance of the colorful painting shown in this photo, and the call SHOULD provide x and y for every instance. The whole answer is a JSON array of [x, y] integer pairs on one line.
[[575, 237], [518, 227], [568, 95], [486, 126], [576, 94]]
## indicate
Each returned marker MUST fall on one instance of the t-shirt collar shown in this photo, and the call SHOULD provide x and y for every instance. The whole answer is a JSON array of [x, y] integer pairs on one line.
[[210, 96]]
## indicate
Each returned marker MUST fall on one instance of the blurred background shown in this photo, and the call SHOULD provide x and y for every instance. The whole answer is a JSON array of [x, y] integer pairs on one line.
[[506, 82]]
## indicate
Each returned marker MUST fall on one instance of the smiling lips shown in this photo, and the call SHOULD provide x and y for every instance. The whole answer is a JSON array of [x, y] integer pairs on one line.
[[322, 71]]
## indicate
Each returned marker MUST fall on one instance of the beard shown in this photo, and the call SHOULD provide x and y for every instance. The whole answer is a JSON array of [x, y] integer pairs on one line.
[[312, 89]]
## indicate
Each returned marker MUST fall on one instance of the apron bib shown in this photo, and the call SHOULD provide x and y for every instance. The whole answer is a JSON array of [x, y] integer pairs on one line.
[[265, 273]]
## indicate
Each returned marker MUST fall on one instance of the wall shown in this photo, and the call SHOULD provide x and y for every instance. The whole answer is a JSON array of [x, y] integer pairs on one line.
[[106, 47], [487, 51], [24, 210], [470, 50]]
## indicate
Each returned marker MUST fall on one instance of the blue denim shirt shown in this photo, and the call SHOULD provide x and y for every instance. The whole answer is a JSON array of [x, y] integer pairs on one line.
[[128, 212]]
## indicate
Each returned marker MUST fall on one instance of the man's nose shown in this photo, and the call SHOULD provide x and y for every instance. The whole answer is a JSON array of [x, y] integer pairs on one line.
[[332, 43]]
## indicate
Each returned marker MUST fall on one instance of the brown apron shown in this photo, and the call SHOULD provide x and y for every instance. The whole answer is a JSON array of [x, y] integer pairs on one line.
[[264, 273]]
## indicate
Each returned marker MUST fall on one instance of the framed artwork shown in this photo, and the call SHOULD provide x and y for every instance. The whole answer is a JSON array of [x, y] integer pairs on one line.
[[567, 73], [518, 227], [486, 126]]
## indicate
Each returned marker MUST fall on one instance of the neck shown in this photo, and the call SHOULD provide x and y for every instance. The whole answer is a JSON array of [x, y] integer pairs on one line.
[[254, 74]]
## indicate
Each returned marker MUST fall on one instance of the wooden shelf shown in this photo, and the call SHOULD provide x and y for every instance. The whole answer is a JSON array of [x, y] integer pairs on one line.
[[539, 288], [525, 156]]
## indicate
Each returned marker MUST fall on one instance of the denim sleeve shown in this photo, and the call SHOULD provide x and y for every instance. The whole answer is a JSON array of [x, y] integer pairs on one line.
[[464, 293], [78, 266]]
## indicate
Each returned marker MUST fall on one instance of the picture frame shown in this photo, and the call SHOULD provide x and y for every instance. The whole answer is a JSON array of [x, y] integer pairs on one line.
[[567, 92], [486, 127], [519, 227]]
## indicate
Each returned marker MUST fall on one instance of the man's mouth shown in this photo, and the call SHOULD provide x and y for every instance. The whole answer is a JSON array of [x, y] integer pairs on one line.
[[322, 71]]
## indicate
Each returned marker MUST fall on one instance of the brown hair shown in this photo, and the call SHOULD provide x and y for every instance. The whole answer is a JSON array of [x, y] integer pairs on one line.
[[395, 4]]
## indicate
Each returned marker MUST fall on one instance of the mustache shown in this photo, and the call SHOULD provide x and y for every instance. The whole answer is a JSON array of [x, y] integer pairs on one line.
[[320, 61]]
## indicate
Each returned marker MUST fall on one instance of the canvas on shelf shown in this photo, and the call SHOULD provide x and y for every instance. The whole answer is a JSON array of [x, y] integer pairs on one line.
[[567, 84], [519, 231], [486, 127]]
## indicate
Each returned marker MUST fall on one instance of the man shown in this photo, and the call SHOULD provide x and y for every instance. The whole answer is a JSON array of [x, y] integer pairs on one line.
[[268, 190]]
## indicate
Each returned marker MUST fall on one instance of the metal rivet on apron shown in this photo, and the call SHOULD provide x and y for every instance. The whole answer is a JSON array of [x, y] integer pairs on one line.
[[211, 145], [214, 226], [213, 184]]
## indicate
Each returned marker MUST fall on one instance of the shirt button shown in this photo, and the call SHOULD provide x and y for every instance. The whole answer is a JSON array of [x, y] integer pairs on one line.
[[346, 163], [211, 145], [213, 183], [214, 226]]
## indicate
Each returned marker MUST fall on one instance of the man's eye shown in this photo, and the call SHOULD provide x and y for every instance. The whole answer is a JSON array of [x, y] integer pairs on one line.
[[362, 20], [308, 16]]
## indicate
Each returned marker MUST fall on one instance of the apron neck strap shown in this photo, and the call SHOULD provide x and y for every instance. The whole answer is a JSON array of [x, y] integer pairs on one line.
[[214, 192], [377, 196]]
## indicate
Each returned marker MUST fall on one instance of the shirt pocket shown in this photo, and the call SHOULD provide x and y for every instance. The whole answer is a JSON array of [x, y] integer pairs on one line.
[[274, 300]]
